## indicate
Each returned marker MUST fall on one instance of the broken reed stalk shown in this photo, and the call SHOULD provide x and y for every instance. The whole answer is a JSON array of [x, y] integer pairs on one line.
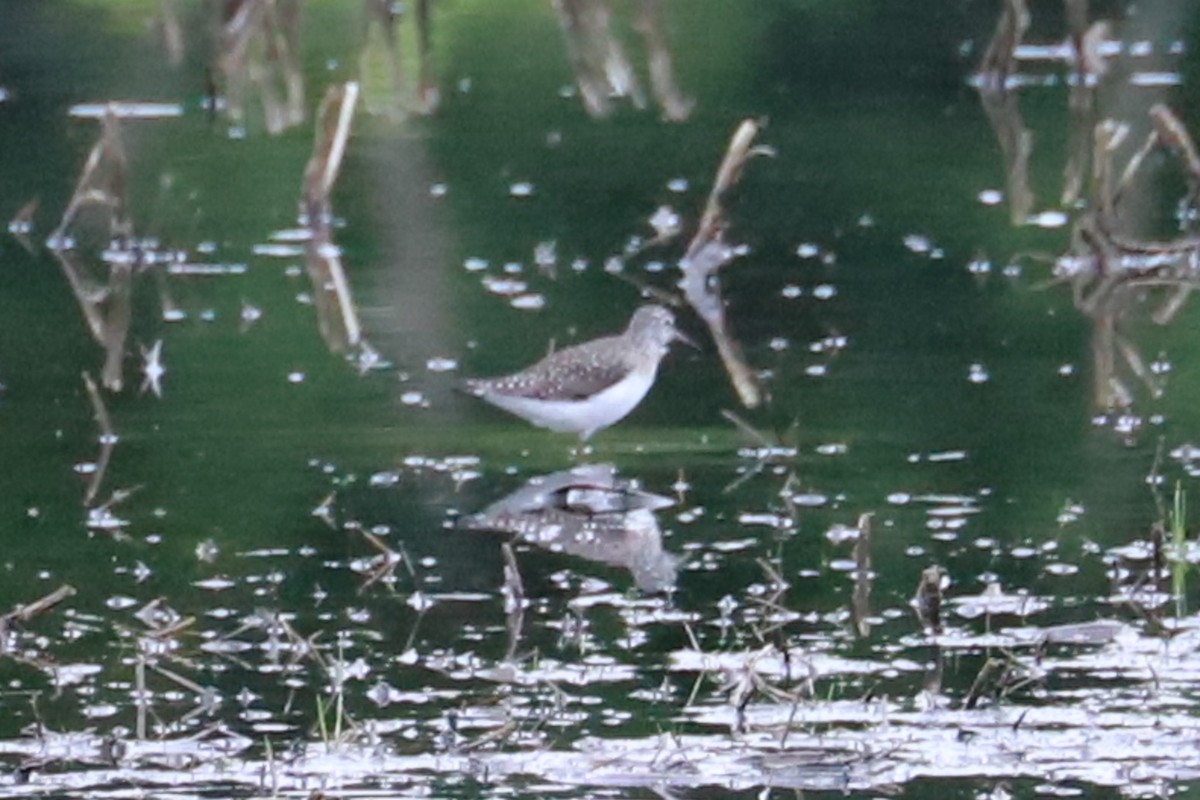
[[325, 266], [335, 117], [740, 374], [988, 678], [928, 600], [712, 224], [863, 577], [26, 612], [708, 252], [142, 699]]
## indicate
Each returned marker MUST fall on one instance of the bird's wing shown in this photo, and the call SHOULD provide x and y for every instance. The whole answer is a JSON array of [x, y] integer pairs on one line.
[[574, 373]]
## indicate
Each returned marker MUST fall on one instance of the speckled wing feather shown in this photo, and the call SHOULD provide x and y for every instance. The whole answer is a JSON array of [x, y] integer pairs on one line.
[[574, 373]]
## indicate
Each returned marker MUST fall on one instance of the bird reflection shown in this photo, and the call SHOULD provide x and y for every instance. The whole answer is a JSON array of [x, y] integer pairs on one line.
[[588, 511]]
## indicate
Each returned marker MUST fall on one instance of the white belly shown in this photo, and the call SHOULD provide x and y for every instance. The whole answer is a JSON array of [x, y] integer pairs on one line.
[[584, 417]]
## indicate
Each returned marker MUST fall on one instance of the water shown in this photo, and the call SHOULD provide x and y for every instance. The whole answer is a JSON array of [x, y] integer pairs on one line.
[[276, 586]]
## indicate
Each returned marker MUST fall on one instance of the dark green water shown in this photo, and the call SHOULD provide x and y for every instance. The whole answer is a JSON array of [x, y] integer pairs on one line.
[[905, 384]]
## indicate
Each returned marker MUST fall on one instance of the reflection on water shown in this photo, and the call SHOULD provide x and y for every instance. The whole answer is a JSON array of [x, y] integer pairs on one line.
[[337, 315], [1001, 103], [382, 55], [1111, 264], [259, 58], [1111, 269], [590, 512], [281, 581], [999, 81], [602, 69]]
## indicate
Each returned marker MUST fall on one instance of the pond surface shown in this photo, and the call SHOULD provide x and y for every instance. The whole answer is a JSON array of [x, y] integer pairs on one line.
[[919, 525]]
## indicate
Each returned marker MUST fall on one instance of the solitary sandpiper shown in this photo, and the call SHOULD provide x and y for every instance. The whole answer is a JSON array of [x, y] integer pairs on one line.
[[589, 386]]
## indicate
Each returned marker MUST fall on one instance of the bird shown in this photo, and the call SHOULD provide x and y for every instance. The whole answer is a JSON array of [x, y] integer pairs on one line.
[[589, 386]]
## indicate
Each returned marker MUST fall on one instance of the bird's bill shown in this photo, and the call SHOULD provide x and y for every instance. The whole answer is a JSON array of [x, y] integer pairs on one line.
[[680, 336]]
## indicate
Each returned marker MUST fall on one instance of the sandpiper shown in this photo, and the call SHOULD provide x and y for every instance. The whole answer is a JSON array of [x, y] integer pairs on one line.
[[589, 386]]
